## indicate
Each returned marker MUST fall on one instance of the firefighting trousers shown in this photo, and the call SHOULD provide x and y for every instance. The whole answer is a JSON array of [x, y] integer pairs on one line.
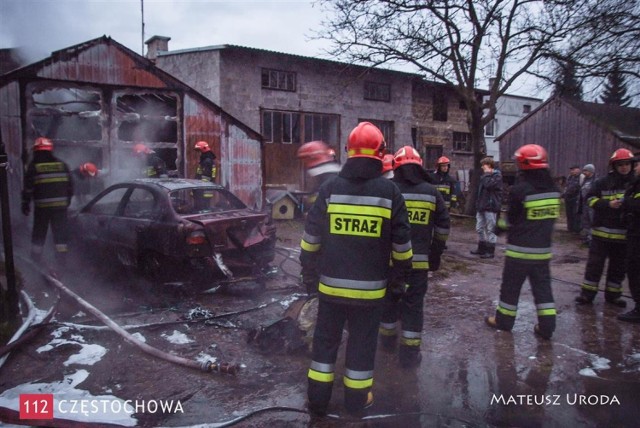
[[362, 324], [633, 267], [406, 310], [513, 276], [42, 218], [599, 251]]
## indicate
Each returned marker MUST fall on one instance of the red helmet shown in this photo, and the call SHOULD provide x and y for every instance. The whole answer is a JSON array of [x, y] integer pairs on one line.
[[405, 156], [89, 169], [443, 160], [387, 163], [42, 143], [621, 155], [315, 153], [366, 141], [202, 146], [142, 148], [531, 156]]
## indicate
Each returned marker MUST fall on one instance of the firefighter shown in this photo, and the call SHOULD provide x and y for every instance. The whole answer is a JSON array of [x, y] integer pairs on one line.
[[429, 220], [206, 169], [608, 240], [357, 225], [320, 164], [445, 184], [154, 166], [82, 177], [47, 181], [387, 166], [533, 207], [631, 211]]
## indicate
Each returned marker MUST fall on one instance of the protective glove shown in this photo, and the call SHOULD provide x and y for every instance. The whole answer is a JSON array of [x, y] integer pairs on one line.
[[501, 227], [26, 208], [396, 289]]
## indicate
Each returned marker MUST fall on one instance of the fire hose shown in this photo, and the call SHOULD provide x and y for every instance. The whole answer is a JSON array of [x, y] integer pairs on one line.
[[28, 328], [206, 366]]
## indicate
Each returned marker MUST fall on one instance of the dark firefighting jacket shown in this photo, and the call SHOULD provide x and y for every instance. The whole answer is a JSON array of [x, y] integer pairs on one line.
[[47, 181], [447, 186], [155, 166], [608, 223], [631, 209], [357, 225], [206, 169], [428, 214], [534, 206]]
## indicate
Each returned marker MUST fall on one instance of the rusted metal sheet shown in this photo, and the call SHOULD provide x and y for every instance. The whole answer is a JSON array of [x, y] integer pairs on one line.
[[244, 164], [201, 124], [100, 63]]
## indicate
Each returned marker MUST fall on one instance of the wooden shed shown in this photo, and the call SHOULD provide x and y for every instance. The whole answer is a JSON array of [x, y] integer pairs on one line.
[[97, 99], [575, 133]]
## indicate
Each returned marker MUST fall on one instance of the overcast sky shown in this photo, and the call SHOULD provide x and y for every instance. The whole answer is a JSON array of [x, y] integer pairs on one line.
[[40, 27], [43, 26]]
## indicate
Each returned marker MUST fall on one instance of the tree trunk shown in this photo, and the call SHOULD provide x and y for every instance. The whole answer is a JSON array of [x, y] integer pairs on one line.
[[479, 152]]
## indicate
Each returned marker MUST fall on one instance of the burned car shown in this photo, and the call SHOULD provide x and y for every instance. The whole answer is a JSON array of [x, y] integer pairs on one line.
[[176, 229]]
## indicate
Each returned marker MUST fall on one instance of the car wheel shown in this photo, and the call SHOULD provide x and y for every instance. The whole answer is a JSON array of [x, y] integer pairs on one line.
[[153, 266]]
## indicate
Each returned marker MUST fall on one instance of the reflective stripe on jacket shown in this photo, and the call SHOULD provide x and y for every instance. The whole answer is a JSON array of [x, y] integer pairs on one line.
[[352, 231]]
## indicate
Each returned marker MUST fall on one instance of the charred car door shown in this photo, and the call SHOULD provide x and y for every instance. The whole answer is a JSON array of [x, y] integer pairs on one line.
[[131, 226]]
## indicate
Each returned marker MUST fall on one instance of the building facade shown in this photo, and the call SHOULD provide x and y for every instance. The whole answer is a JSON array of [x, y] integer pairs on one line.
[[510, 110], [293, 99]]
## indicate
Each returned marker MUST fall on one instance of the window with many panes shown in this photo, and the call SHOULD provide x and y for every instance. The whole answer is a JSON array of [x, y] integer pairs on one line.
[[461, 141], [295, 127], [377, 91], [278, 79], [440, 112]]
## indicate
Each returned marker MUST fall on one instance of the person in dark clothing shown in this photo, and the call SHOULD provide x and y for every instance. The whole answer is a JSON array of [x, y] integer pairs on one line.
[[571, 199], [488, 205], [446, 184], [153, 166], [608, 232], [356, 227], [533, 208], [429, 220], [631, 215], [319, 163], [47, 182], [584, 210], [82, 178], [206, 169]]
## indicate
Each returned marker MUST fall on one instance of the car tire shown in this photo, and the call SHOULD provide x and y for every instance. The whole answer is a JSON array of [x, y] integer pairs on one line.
[[153, 266]]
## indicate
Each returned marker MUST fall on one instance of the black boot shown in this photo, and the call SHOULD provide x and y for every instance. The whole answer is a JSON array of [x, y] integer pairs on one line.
[[481, 248], [489, 251], [617, 302], [631, 316], [583, 299], [409, 356]]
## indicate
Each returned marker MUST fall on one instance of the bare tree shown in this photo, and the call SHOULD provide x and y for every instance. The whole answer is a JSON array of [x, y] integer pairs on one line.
[[463, 42]]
